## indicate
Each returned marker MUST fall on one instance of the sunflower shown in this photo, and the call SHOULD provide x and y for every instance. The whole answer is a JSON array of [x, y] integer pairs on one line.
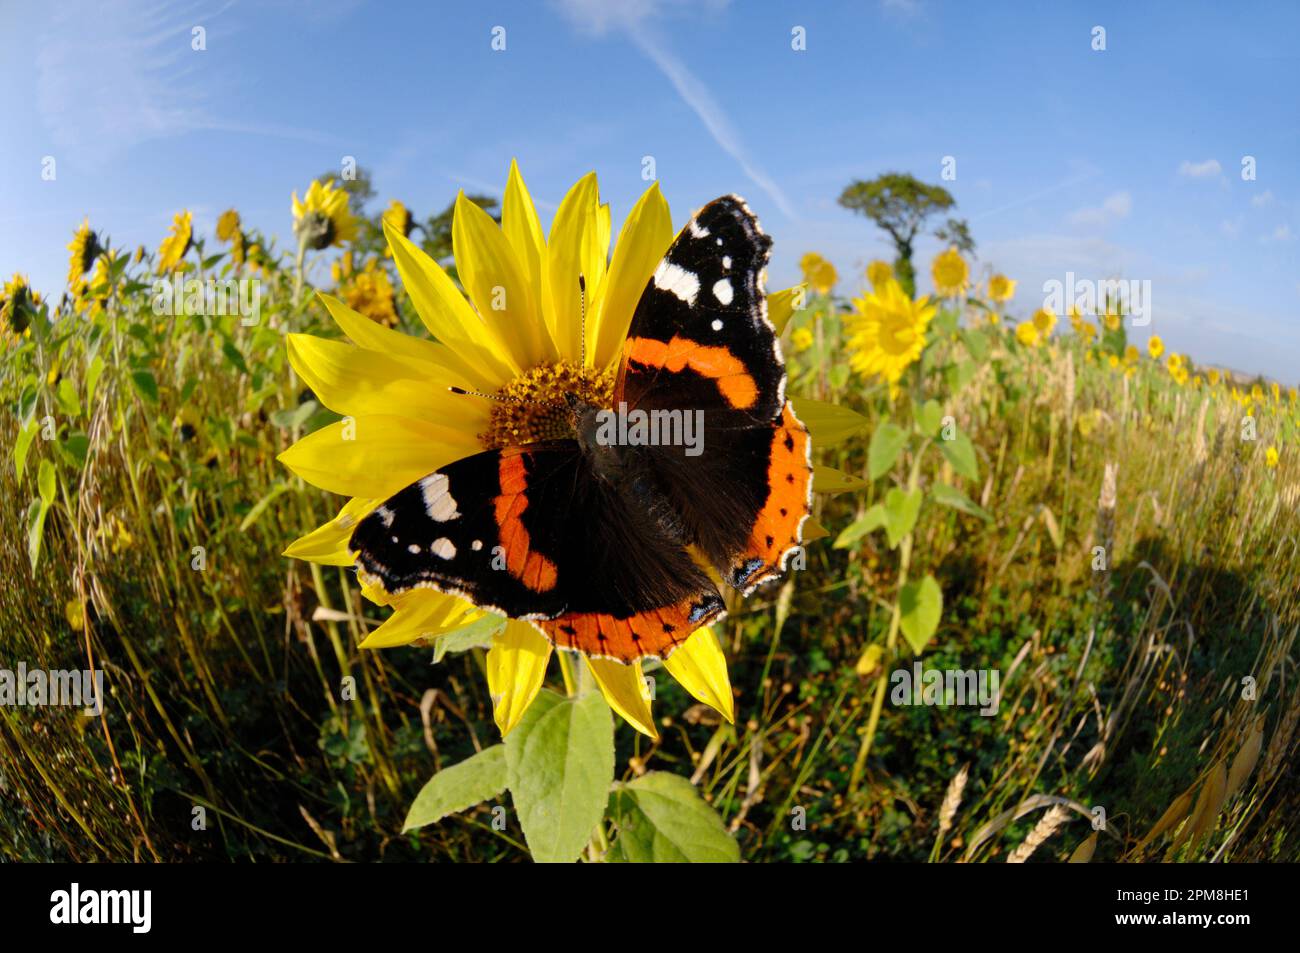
[[818, 273], [1001, 288], [1113, 320], [370, 292], [1212, 375], [887, 332], [950, 273], [801, 339], [878, 272], [322, 218], [403, 421], [1177, 366], [1270, 457], [228, 225], [18, 306], [84, 249], [1155, 347], [1044, 322], [399, 217], [1131, 355], [1027, 333], [176, 244]]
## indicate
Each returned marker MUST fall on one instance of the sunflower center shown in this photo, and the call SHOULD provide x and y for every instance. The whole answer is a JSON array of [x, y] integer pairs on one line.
[[534, 406]]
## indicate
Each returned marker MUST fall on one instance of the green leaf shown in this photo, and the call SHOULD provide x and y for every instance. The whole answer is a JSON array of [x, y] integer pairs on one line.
[[24, 443], [929, 417], [69, 403], [234, 357], [297, 416], [93, 373], [868, 522], [35, 526], [46, 482], [260, 506], [956, 376], [561, 764], [475, 635], [663, 819], [886, 444], [920, 605], [474, 780], [946, 495], [961, 454], [830, 480], [977, 343], [901, 511], [145, 385], [77, 446]]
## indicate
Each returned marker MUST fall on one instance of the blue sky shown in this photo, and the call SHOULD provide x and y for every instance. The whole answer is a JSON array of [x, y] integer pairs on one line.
[[1117, 163]]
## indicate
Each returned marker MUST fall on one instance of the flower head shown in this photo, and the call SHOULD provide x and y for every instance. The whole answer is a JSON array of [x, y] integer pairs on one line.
[[1155, 347], [176, 244], [801, 338], [18, 306], [228, 225], [950, 273], [370, 292], [1270, 457], [84, 249], [533, 350], [1027, 333], [322, 217], [819, 273], [398, 216], [887, 332], [878, 272], [1001, 288]]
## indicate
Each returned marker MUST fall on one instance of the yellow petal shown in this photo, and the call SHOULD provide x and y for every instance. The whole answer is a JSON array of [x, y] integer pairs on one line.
[[829, 424], [495, 283], [516, 667], [780, 306], [645, 236], [625, 689], [522, 229], [355, 382], [445, 312], [376, 456], [700, 667], [426, 359], [328, 544], [571, 251], [421, 614], [830, 480]]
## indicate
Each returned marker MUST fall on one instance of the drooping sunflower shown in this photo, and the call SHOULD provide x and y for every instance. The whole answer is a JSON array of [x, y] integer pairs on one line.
[[322, 217], [228, 225], [18, 306], [1001, 288], [402, 421], [887, 332], [819, 273], [949, 272], [399, 217], [83, 250], [176, 244]]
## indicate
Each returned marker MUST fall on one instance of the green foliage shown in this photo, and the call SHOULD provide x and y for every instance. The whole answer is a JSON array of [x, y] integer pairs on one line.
[[451, 790], [661, 818]]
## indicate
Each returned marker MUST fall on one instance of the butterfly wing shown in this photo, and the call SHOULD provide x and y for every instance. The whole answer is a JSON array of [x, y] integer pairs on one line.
[[700, 339], [530, 532]]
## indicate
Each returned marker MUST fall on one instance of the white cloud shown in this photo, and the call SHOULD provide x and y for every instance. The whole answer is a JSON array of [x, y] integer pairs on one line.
[[1200, 170], [1281, 234], [1264, 198], [1113, 208], [635, 20]]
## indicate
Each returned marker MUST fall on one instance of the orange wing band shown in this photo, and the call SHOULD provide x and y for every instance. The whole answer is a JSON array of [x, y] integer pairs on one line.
[[654, 633], [716, 363], [531, 568], [789, 475]]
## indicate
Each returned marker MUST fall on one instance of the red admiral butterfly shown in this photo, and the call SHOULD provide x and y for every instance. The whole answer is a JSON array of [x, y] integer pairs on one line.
[[590, 538]]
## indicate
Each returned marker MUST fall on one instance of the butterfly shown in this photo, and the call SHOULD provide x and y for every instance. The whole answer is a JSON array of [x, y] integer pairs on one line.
[[598, 538]]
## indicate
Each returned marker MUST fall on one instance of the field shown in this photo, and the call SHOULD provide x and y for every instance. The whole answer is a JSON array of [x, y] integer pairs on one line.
[[1111, 535]]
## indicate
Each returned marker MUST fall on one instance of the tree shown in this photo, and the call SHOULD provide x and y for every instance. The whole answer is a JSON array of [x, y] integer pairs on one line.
[[899, 203], [956, 232]]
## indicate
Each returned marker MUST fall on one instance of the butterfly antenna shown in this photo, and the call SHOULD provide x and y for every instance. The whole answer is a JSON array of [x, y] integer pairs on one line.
[[582, 303], [464, 392]]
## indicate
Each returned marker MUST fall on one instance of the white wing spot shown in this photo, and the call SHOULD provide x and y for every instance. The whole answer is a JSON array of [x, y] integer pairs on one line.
[[722, 291], [413, 549], [476, 545], [393, 538], [438, 501], [717, 324], [726, 262], [674, 278], [386, 515], [443, 547], [698, 230]]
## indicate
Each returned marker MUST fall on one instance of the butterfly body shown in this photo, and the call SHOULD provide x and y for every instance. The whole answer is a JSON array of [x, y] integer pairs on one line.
[[598, 536]]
